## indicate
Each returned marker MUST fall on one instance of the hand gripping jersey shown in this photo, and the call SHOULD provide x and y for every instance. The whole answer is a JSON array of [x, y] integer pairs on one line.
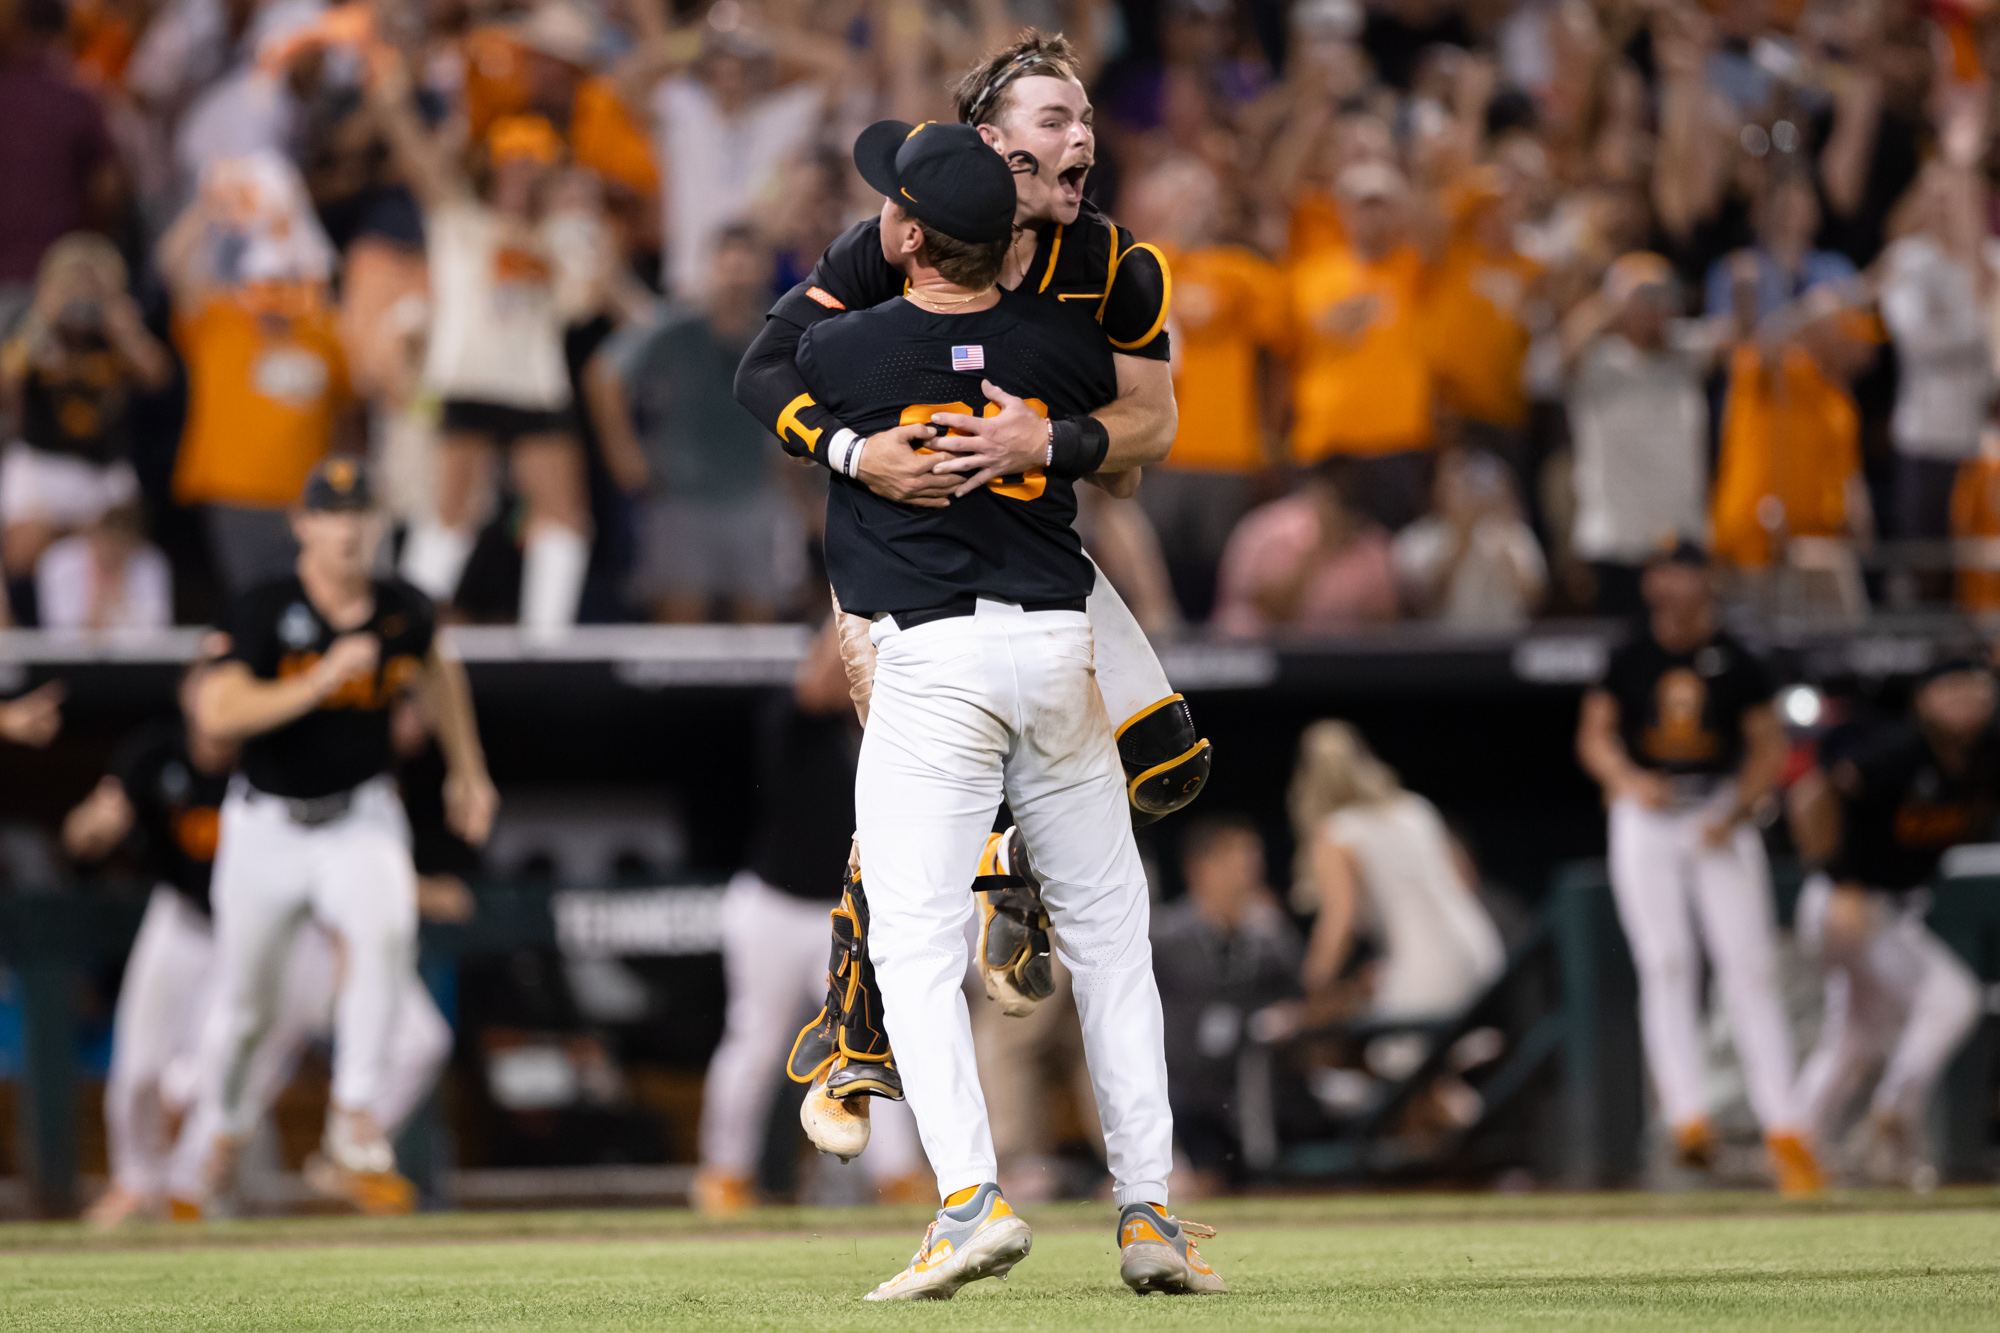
[[1901, 808], [1092, 267], [175, 807], [1682, 713], [345, 741], [1011, 541]]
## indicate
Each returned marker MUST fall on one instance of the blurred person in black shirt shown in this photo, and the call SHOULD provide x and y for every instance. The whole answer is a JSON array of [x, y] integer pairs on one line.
[[1876, 816], [774, 935], [1682, 736]]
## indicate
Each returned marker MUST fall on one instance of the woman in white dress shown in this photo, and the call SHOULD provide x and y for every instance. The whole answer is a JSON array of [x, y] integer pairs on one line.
[[1375, 859]]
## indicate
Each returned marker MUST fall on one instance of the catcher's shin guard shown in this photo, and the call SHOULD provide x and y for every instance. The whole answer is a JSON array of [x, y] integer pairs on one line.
[[1166, 759], [1013, 927], [845, 1046]]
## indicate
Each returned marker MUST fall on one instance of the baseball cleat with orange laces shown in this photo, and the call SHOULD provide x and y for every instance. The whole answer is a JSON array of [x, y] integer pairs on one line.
[[1157, 1253], [980, 1237]]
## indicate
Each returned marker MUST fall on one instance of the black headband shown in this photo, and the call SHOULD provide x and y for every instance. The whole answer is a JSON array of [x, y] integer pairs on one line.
[[1010, 71]]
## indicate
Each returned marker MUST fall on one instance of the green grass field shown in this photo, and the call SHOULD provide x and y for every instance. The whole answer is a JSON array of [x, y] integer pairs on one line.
[[1706, 1261]]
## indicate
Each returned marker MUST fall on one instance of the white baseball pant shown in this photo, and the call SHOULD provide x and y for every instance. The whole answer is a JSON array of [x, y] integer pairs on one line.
[[354, 875], [1902, 1002], [1675, 894], [967, 710], [774, 953]]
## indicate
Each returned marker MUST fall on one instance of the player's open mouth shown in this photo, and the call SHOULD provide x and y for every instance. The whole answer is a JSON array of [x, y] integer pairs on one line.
[[1070, 181]]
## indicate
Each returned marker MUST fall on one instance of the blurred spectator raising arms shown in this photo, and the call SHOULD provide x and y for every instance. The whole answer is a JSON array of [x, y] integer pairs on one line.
[[1472, 563], [67, 377], [714, 525], [1477, 316], [495, 354], [1639, 420], [1229, 312], [248, 269]]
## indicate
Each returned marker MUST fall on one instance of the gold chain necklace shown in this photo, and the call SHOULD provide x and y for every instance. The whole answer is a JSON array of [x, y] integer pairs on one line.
[[963, 300]]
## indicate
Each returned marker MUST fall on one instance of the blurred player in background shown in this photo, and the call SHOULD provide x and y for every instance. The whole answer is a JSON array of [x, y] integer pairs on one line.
[[774, 935], [313, 827], [1877, 815], [1683, 739]]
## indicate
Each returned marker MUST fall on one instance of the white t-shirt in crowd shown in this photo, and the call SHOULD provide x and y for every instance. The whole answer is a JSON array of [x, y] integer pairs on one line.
[[1943, 366], [496, 334], [1640, 425], [1482, 594], [714, 167], [66, 589], [1440, 949]]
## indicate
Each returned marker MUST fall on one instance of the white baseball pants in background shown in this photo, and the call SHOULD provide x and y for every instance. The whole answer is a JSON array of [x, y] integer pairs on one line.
[[354, 875], [967, 710], [774, 953], [1902, 1003], [1676, 895]]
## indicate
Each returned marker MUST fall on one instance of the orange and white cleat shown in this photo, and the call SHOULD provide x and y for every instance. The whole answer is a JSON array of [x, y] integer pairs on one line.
[[981, 1237], [1694, 1145], [119, 1205], [719, 1193], [1157, 1253], [356, 1165], [1797, 1171]]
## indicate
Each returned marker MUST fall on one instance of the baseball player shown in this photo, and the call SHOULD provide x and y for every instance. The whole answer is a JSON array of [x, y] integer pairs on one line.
[[983, 688], [1028, 104], [1877, 813], [312, 826], [1682, 736], [774, 932]]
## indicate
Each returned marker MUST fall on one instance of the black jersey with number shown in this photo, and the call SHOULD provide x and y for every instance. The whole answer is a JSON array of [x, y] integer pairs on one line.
[[278, 632], [1012, 540], [1092, 267], [1902, 808], [1682, 713], [175, 807]]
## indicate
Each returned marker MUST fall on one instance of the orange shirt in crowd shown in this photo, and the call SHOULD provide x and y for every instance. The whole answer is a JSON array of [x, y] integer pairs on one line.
[[1368, 393], [606, 139], [1477, 337], [1975, 529], [1227, 304], [496, 79], [1789, 435], [1315, 228], [266, 382]]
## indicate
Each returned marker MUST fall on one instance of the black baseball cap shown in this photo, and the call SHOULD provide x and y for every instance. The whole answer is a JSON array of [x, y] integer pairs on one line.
[[944, 176], [339, 485]]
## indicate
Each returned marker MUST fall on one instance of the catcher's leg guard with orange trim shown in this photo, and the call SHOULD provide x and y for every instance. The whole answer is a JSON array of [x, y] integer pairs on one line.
[[1166, 760], [845, 1046], [1013, 927]]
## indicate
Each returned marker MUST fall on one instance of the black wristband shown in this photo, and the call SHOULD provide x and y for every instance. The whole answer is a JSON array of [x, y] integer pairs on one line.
[[1077, 447]]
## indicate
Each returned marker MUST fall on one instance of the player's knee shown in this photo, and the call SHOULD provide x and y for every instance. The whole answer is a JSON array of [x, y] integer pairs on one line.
[[1670, 966], [1166, 760]]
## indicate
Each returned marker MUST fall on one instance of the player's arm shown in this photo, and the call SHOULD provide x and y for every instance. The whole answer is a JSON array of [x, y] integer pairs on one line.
[[771, 387], [470, 799], [1334, 875], [1764, 752], [1603, 756], [1812, 807], [100, 821], [232, 704]]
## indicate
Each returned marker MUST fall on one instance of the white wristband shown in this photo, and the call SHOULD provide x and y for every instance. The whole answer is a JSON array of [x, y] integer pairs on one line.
[[843, 452]]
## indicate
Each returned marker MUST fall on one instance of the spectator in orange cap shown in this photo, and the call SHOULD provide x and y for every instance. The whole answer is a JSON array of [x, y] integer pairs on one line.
[[1362, 379], [495, 354]]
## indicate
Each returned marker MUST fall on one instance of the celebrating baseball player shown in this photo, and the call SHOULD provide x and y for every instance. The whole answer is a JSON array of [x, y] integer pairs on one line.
[[1682, 736], [1878, 813], [1028, 105], [983, 689], [313, 826]]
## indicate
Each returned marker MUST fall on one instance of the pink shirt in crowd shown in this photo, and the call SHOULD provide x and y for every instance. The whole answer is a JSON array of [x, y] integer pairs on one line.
[[1354, 588]]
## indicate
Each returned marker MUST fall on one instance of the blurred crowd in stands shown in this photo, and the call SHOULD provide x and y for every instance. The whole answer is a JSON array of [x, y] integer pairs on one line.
[[1475, 302]]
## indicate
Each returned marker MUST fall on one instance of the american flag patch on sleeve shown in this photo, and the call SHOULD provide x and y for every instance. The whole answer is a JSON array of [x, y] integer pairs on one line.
[[968, 358]]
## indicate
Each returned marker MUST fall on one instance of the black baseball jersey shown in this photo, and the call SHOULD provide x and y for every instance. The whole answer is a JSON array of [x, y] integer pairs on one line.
[[805, 798], [80, 408], [345, 741], [176, 807], [1013, 539], [1092, 266], [1901, 808], [1682, 713]]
